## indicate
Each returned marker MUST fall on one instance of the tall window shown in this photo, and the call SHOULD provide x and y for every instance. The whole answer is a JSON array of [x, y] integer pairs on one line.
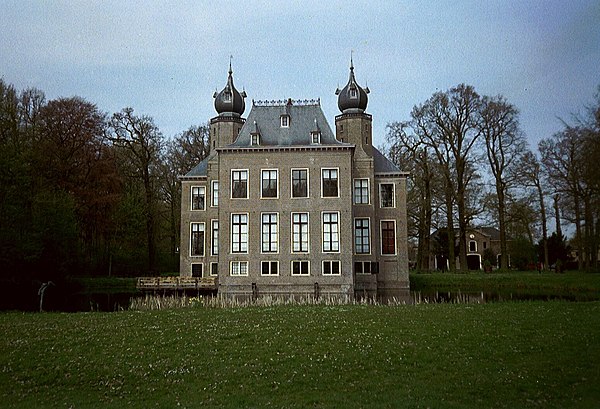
[[299, 183], [269, 183], [300, 268], [238, 268], [388, 237], [386, 194], [361, 236], [331, 236], [239, 233], [472, 246], [198, 194], [330, 182], [214, 248], [269, 235], [215, 193], [285, 121], [197, 239], [331, 267], [239, 184], [300, 232], [269, 268], [361, 191]]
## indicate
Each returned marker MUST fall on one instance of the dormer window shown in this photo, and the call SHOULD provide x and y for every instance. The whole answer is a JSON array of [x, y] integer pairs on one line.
[[254, 139], [315, 137], [227, 96], [285, 121], [353, 93]]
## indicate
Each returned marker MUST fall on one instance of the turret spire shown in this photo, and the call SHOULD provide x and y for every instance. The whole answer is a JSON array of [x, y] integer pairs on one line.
[[229, 101], [352, 98]]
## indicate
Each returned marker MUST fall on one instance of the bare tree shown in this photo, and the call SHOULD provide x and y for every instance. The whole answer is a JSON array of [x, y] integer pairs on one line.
[[140, 141], [528, 173], [504, 144], [447, 124], [407, 151]]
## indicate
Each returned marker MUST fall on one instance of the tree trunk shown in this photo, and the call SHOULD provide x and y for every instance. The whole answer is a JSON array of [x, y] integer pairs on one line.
[[578, 237], [502, 224], [450, 231], [544, 226], [150, 222]]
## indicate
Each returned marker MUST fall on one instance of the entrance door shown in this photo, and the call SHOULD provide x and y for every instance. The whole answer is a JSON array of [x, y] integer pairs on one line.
[[474, 262]]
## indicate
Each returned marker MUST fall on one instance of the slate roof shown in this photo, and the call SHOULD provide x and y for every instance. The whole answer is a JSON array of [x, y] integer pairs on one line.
[[383, 164], [200, 170], [305, 117]]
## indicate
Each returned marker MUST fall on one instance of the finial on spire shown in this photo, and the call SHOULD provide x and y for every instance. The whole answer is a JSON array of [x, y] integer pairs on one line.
[[230, 70], [351, 62]]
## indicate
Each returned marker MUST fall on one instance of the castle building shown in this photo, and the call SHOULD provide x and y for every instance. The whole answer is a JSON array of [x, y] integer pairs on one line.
[[284, 206]]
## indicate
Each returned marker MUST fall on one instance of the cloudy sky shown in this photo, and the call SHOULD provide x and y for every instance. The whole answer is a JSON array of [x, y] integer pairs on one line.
[[166, 58]]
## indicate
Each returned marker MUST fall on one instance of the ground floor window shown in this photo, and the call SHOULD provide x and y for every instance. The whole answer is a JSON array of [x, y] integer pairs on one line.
[[196, 269], [331, 267], [269, 268], [300, 268], [214, 269], [366, 267], [238, 268]]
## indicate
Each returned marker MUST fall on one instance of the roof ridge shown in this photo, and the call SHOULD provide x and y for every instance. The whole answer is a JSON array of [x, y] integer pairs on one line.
[[284, 102]]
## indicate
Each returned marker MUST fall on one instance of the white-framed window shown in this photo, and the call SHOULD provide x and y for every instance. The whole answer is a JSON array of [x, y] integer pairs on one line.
[[239, 232], [239, 184], [238, 268], [254, 139], [300, 235], [197, 269], [353, 93], [269, 268], [214, 269], [285, 121], [329, 182], [331, 232], [198, 197], [388, 237], [299, 183], [197, 239], [362, 236], [361, 191], [315, 137], [214, 193], [214, 244], [227, 96], [386, 195], [472, 246], [269, 232], [269, 183], [331, 268], [300, 267]]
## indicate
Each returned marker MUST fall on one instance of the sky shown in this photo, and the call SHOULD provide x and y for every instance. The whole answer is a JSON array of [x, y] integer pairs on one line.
[[165, 59]]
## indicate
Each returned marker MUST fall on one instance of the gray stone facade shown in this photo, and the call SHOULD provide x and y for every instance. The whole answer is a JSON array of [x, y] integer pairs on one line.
[[283, 206]]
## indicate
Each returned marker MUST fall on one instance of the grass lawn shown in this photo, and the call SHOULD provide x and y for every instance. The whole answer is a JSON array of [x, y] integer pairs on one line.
[[577, 284], [512, 355]]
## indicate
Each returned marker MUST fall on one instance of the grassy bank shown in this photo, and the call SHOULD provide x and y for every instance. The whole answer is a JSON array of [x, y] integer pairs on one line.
[[452, 356], [585, 284]]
